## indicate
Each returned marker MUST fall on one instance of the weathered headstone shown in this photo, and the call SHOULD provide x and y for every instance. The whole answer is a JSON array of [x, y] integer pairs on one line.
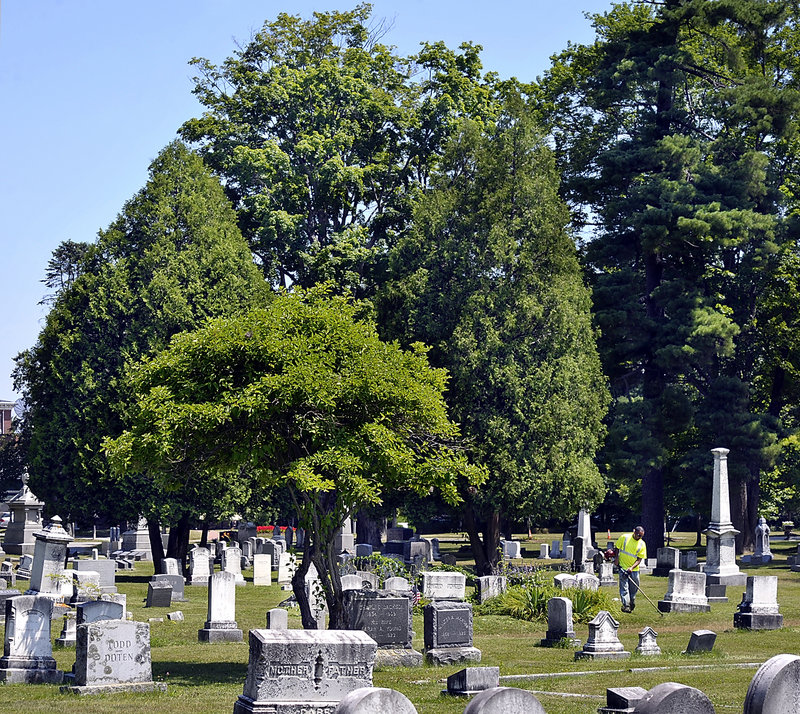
[[200, 566], [555, 549], [220, 625], [721, 564], [512, 549], [686, 592], [24, 567], [97, 610], [387, 620], [473, 679], [489, 586], [603, 642], [287, 564], [396, 585], [375, 700], [351, 582], [606, 575], [444, 586], [232, 563], [559, 623], [176, 582], [113, 656], [27, 651], [701, 641], [544, 551], [304, 670], [775, 689], [622, 700], [105, 568], [688, 560], [758, 609], [169, 566], [647, 642], [448, 633], [363, 550], [176, 616], [585, 581], [397, 533], [262, 569], [66, 639], [277, 619], [564, 581], [85, 585], [668, 559], [159, 594], [369, 581], [504, 699], [49, 559], [671, 698]]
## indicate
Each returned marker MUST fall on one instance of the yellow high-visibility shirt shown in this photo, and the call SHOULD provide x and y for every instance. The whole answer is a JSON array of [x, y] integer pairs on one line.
[[629, 550]]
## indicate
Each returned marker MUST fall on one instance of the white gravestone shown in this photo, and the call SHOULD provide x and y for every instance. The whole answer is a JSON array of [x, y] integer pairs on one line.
[[287, 564], [221, 623], [200, 567], [375, 700], [721, 568], [262, 569], [686, 592], [559, 623], [444, 586], [27, 651], [759, 607], [397, 585], [49, 560], [232, 563], [762, 553], [504, 699], [603, 642], [775, 689], [489, 586], [648, 646]]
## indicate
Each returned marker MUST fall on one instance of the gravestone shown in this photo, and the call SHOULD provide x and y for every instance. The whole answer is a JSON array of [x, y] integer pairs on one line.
[[277, 619], [220, 625], [569, 553], [176, 616], [686, 592], [701, 641], [105, 568], [716, 593], [417, 551], [544, 551], [300, 538], [622, 700], [85, 585], [688, 560], [262, 569], [449, 559], [49, 560], [559, 623], [603, 642], [287, 564], [721, 567], [351, 582], [113, 656], [66, 639], [473, 680], [369, 581], [98, 610], [176, 582], [363, 550], [444, 586], [580, 552], [504, 699], [232, 563], [24, 567], [667, 560], [138, 539], [435, 549], [647, 642], [489, 586], [397, 533], [291, 671], [396, 585], [387, 620], [671, 698], [26, 519], [758, 609], [512, 549], [27, 651], [169, 566], [448, 633], [375, 700], [159, 594], [555, 549], [775, 689], [585, 581], [564, 581], [606, 574]]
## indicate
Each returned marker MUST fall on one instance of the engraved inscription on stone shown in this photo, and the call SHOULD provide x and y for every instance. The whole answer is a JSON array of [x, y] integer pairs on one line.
[[385, 620], [453, 627]]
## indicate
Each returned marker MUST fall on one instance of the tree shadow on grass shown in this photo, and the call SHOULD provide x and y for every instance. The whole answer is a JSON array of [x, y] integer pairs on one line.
[[199, 673]]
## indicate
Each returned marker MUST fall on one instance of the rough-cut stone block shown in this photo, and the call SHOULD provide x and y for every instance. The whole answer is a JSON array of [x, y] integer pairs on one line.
[[293, 671], [473, 679], [622, 700], [159, 594], [775, 689], [506, 700]]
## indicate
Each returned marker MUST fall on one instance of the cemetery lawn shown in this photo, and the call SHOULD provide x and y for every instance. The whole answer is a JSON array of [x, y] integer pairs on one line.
[[207, 678]]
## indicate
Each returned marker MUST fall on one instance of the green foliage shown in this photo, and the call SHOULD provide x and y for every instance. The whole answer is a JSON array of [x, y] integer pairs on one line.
[[383, 566], [324, 134], [529, 602], [173, 258]]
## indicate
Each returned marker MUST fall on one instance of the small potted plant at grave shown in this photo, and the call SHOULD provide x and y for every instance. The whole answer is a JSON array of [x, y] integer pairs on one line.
[[787, 528]]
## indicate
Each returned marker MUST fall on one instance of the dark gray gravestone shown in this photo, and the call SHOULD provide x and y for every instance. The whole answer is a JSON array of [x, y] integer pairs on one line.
[[159, 594], [473, 679], [176, 582], [776, 687], [386, 619], [7, 595], [96, 610], [701, 641], [448, 632], [670, 698], [622, 700], [394, 547]]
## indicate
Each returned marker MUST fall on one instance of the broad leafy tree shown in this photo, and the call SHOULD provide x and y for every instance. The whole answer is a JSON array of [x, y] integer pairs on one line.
[[305, 396], [172, 259], [490, 279]]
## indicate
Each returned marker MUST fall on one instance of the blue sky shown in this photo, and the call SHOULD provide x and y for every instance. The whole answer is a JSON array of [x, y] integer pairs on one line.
[[91, 90]]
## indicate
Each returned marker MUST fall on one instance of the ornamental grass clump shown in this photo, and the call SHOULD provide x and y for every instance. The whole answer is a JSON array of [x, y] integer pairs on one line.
[[529, 602]]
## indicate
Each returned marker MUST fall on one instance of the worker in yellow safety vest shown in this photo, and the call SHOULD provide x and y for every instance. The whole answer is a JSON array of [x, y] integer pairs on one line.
[[629, 551]]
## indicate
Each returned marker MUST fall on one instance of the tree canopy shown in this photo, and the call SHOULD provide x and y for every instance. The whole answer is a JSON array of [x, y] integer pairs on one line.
[[301, 394]]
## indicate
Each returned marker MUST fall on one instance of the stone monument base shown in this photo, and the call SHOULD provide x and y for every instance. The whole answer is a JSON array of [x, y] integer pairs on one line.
[[554, 641], [29, 675], [220, 632], [670, 606], [115, 688], [716, 593], [398, 658], [245, 705], [452, 655], [736, 579], [757, 621], [583, 654]]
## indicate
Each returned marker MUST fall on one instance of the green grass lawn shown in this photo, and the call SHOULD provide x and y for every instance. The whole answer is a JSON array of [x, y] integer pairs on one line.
[[206, 678]]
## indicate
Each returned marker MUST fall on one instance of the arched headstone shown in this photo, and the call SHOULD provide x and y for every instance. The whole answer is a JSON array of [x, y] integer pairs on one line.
[[505, 700], [375, 700], [776, 687], [671, 697]]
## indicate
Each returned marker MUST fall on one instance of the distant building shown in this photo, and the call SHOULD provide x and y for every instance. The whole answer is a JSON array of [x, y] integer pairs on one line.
[[6, 410]]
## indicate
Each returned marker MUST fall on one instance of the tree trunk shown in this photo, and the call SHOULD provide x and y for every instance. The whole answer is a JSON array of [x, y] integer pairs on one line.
[[204, 535], [491, 539], [156, 544], [653, 510], [738, 491], [753, 502], [299, 586], [482, 564], [370, 530], [178, 543], [699, 527]]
